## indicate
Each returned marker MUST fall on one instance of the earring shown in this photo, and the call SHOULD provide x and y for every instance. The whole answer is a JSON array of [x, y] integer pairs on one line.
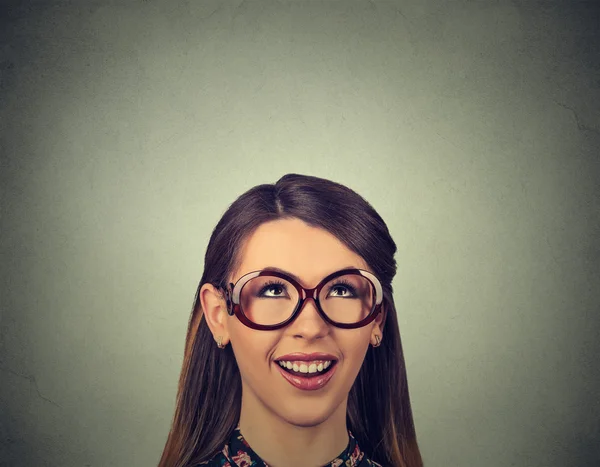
[[378, 340], [220, 342]]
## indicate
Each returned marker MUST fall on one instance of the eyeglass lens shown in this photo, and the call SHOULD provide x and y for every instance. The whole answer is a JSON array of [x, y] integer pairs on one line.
[[270, 300]]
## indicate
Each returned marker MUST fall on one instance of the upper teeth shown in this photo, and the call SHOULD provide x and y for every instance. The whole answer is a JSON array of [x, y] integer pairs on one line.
[[306, 367]]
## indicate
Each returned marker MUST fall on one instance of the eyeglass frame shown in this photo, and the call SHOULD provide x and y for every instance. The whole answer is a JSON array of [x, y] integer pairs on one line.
[[233, 293]]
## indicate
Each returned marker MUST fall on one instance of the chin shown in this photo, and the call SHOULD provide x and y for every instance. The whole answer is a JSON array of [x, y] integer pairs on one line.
[[306, 415], [306, 420]]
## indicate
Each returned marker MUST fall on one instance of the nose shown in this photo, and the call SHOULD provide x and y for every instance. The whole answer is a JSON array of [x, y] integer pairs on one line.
[[309, 323]]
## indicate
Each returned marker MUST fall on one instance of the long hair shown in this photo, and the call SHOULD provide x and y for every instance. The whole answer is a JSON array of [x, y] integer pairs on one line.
[[209, 395]]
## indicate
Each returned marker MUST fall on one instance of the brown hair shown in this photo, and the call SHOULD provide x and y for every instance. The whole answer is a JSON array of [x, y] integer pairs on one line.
[[209, 395]]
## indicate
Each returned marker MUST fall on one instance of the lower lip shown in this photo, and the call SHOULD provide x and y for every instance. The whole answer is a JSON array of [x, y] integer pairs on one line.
[[307, 384]]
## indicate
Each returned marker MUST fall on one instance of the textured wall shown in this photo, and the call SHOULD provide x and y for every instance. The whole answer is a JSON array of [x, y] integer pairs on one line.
[[127, 127]]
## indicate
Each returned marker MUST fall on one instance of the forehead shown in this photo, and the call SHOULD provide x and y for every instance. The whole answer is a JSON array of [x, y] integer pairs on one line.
[[310, 253]]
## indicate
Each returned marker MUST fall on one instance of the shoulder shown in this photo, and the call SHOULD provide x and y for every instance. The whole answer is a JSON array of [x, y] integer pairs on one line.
[[218, 460], [366, 462]]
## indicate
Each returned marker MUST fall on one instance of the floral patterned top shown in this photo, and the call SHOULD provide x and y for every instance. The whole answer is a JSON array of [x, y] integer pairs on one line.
[[238, 453]]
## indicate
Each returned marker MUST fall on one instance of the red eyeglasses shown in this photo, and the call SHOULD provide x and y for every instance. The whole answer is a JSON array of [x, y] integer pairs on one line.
[[270, 299]]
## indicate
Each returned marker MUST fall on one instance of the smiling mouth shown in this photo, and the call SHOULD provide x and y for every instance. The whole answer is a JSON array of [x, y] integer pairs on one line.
[[307, 369]]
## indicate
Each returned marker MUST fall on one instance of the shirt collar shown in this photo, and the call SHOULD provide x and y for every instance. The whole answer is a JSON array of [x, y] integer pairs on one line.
[[238, 453]]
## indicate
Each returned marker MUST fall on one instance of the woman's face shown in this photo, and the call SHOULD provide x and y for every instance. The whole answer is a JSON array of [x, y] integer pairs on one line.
[[310, 254]]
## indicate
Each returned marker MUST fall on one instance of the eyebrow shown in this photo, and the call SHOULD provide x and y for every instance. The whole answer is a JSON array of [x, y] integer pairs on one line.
[[296, 278]]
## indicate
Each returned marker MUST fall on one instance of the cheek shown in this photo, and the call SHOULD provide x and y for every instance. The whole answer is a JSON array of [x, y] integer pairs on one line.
[[352, 341], [354, 348], [252, 348]]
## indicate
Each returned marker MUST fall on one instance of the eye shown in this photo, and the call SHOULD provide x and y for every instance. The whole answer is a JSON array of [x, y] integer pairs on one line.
[[342, 289], [273, 289]]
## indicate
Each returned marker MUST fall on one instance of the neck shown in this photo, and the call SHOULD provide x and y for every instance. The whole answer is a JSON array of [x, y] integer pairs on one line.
[[281, 443]]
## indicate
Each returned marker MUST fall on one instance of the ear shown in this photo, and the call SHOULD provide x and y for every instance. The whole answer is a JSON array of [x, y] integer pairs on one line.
[[215, 312], [378, 324]]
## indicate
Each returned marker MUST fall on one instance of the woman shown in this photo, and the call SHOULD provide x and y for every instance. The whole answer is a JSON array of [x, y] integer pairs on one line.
[[293, 354]]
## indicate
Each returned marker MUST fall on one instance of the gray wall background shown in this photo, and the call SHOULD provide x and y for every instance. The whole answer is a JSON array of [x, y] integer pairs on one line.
[[127, 128]]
